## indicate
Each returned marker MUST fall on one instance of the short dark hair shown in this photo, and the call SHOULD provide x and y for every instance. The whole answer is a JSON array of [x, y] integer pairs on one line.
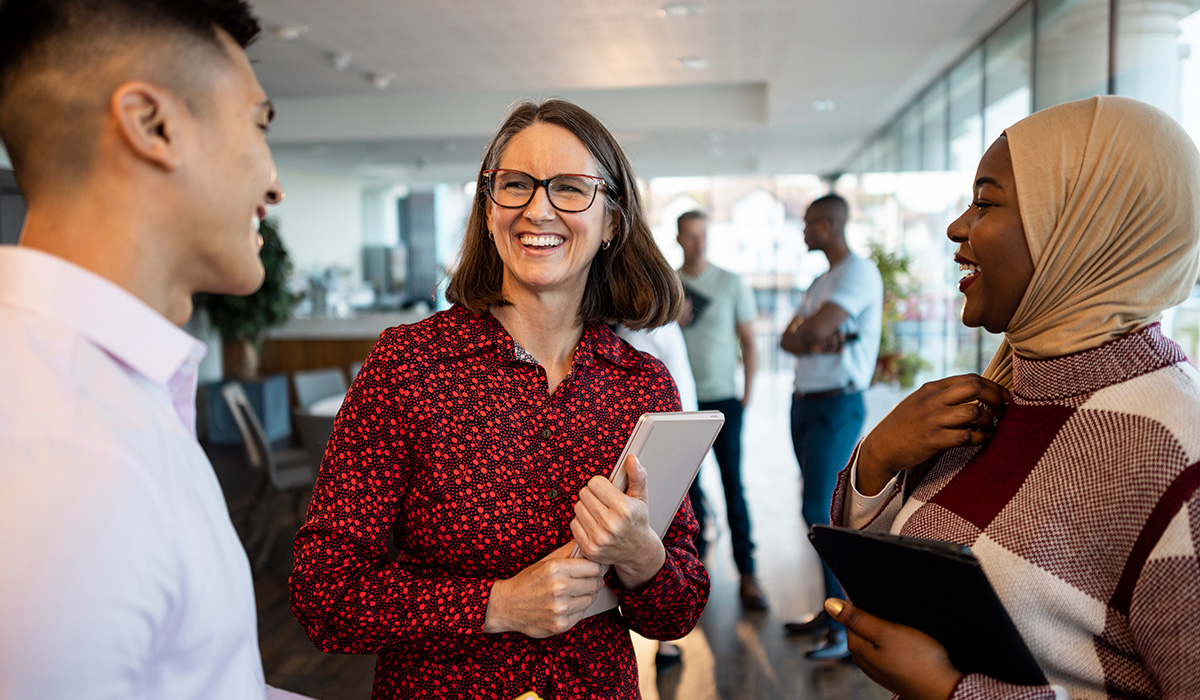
[[834, 201], [630, 283], [56, 59], [688, 216]]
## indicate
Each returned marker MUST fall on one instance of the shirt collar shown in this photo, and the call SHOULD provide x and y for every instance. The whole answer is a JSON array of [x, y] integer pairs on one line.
[[107, 315], [487, 332]]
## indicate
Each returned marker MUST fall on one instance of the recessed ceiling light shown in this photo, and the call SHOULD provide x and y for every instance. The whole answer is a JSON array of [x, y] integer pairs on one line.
[[824, 105], [289, 32], [382, 79], [694, 63], [680, 9], [339, 60]]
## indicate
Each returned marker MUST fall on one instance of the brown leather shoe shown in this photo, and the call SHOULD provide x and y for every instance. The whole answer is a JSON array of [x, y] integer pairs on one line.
[[751, 593]]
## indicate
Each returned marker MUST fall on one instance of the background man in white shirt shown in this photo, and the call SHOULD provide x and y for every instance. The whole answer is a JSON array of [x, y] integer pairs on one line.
[[136, 131], [835, 338]]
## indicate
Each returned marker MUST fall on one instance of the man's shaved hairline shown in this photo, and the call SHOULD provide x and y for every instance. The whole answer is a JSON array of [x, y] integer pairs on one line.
[[69, 81]]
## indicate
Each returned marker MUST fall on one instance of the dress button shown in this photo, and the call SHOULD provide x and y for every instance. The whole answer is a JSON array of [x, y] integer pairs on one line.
[[552, 493], [546, 433]]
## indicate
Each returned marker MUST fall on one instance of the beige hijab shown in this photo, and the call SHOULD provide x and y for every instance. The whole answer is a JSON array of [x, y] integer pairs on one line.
[[1109, 191]]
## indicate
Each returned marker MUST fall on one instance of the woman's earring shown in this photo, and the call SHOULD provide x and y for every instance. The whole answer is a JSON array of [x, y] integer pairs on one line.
[[606, 245], [491, 237]]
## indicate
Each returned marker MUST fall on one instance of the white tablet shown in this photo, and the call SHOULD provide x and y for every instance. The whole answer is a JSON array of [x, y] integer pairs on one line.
[[671, 447]]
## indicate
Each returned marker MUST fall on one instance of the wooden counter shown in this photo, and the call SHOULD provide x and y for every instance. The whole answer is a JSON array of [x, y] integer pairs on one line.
[[315, 343]]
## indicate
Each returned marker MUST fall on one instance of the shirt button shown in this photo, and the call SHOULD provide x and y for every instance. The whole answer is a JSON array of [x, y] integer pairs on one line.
[[552, 493], [546, 433]]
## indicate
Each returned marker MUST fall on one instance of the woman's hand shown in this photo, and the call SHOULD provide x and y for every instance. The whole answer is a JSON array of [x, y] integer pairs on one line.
[[546, 598], [951, 412], [904, 660], [611, 527]]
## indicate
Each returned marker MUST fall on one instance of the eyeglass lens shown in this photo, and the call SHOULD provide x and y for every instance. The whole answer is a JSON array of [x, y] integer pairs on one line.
[[569, 193]]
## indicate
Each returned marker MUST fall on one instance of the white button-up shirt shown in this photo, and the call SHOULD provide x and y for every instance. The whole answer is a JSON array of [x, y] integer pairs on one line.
[[121, 575]]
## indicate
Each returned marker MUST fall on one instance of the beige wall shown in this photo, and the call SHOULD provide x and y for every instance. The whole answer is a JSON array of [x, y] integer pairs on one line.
[[321, 220]]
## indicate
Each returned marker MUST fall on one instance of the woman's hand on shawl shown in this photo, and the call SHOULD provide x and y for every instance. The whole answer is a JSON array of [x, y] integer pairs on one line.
[[545, 598], [952, 412], [612, 527], [902, 659]]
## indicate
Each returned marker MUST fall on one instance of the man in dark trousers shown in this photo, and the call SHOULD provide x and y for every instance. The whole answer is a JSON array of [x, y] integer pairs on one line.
[[718, 324], [835, 338]]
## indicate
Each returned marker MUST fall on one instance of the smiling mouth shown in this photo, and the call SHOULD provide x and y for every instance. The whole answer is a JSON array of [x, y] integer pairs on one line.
[[972, 270], [541, 241]]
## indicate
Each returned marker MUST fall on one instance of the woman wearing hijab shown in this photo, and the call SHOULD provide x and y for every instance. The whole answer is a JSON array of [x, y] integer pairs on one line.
[[478, 442], [1071, 469]]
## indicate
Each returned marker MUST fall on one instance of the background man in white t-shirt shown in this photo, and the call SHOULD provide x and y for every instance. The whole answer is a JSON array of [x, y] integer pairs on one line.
[[835, 338]]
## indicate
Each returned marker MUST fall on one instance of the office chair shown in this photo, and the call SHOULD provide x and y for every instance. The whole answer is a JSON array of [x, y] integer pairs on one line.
[[314, 431], [283, 472], [314, 384]]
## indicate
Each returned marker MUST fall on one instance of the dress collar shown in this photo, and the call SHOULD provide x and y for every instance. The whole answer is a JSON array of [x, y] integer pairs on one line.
[[486, 332]]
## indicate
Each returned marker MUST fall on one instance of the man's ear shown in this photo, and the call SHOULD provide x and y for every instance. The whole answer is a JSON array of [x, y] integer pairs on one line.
[[148, 120]]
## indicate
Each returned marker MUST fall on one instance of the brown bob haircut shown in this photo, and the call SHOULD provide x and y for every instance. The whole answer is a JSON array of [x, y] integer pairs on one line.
[[630, 283]]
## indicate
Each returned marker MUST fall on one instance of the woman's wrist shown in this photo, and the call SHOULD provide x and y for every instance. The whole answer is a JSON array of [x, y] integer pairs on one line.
[[872, 475], [637, 574], [492, 616]]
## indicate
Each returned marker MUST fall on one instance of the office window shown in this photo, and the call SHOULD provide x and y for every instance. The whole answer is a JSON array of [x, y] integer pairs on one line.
[[1072, 50], [910, 139], [966, 113], [1008, 71], [934, 145]]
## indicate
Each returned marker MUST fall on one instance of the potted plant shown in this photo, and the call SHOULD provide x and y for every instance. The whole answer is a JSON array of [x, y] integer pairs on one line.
[[895, 366], [244, 319]]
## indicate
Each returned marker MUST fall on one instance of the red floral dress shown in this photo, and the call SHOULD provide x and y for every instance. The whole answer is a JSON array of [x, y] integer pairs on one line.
[[449, 446]]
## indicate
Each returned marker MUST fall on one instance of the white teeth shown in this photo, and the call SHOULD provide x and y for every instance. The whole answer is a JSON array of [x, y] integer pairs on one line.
[[541, 241], [968, 267]]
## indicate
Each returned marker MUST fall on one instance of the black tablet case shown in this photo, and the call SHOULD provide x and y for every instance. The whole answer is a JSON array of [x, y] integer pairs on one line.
[[936, 587]]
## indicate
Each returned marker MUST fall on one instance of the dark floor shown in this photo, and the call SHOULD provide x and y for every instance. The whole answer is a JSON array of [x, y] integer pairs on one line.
[[731, 654]]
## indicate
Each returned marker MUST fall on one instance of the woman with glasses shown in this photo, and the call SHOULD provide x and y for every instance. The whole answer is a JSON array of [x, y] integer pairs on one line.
[[1083, 503], [478, 442]]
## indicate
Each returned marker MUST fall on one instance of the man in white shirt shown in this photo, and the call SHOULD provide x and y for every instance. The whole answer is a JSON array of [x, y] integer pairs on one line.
[[835, 338], [136, 132]]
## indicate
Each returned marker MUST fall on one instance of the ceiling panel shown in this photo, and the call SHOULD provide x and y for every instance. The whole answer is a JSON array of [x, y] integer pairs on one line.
[[456, 65]]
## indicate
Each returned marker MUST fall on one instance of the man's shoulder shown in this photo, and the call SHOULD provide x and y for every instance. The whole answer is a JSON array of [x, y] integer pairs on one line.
[[716, 280], [857, 270]]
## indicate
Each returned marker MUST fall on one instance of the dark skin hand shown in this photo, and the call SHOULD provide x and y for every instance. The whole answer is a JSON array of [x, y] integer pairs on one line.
[[904, 660], [953, 412]]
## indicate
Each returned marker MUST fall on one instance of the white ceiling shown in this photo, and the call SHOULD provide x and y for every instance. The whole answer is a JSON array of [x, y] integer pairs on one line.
[[458, 64]]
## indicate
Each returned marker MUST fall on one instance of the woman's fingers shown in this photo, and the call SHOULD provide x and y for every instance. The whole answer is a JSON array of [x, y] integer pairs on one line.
[[968, 388]]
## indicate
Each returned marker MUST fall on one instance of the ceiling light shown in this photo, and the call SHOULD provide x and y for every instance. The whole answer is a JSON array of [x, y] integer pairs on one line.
[[382, 79], [694, 63], [824, 105], [680, 9], [339, 60], [289, 32]]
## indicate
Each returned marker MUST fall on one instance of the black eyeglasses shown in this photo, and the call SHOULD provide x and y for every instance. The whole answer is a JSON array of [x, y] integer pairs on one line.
[[570, 193]]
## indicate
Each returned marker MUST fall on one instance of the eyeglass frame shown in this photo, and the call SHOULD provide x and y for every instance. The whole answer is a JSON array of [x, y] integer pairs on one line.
[[544, 184]]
